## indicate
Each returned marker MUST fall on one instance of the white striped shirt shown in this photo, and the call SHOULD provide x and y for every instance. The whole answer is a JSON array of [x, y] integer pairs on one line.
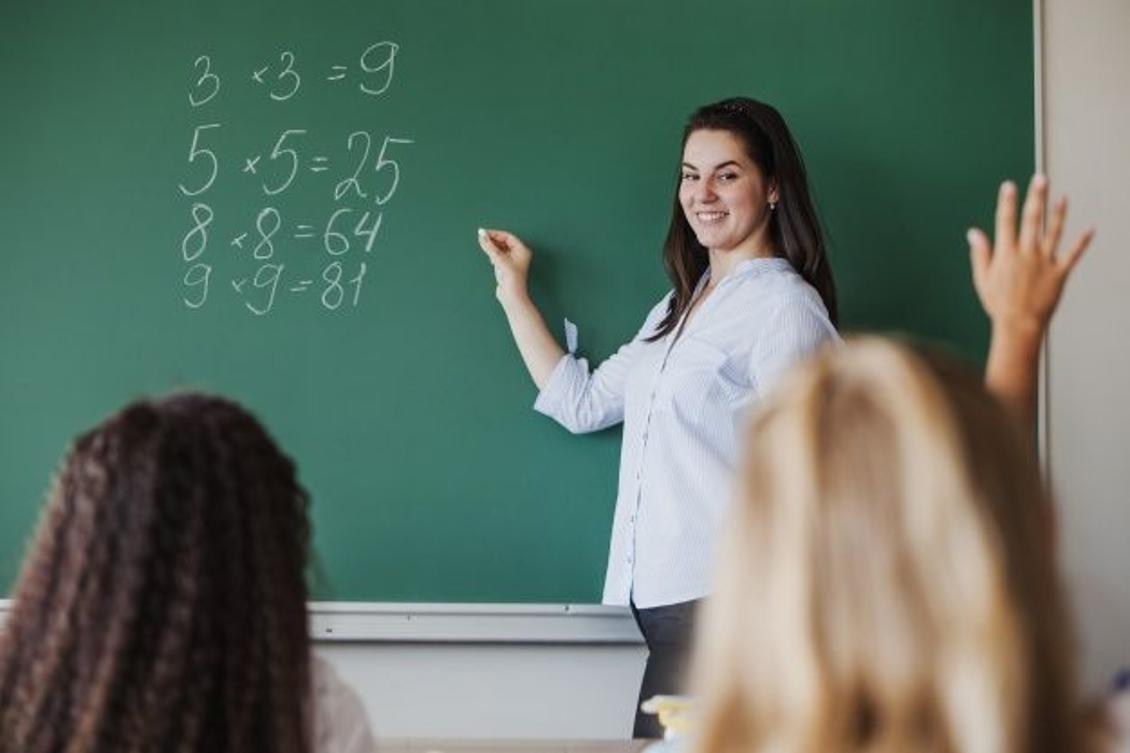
[[683, 401]]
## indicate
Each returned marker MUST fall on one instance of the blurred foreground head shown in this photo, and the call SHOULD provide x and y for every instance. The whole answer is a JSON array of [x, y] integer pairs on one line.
[[887, 582]]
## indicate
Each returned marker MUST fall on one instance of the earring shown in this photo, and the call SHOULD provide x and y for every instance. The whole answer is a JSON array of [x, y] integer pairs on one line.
[[772, 206]]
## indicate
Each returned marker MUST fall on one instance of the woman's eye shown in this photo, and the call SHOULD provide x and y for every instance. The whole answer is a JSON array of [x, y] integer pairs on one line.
[[689, 176], [728, 177]]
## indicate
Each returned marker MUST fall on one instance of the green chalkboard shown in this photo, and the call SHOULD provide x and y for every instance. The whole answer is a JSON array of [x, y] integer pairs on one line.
[[127, 178]]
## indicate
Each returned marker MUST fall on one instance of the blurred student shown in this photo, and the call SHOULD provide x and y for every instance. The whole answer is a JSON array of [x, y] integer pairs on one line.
[[163, 604]]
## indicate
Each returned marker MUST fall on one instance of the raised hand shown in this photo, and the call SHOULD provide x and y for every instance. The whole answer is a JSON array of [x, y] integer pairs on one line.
[[1019, 277]]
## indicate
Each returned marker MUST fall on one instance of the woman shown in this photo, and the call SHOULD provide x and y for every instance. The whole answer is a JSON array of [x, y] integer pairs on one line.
[[752, 294], [163, 604], [894, 526]]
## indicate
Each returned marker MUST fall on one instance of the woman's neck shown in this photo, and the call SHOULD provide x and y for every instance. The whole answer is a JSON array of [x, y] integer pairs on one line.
[[723, 262]]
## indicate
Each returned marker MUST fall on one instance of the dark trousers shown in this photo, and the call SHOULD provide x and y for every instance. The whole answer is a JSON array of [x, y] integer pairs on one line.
[[668, 632]]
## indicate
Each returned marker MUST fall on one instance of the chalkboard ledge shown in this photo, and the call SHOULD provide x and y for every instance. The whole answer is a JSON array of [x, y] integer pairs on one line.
[[472, 623], [464, 623]]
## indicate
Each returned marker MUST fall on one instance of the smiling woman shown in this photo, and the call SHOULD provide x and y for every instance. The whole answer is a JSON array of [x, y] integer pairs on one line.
[[724, 195], [752, 294], [740, 159]]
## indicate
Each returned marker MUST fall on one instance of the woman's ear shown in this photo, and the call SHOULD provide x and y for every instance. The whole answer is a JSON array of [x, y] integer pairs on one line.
[[774, 194]]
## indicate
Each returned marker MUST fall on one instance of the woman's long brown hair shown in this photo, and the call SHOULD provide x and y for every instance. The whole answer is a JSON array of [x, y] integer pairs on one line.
[[163, 604], [793, 226]]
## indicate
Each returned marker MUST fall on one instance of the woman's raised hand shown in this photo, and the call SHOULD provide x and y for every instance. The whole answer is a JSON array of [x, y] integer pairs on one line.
[[510, 258]]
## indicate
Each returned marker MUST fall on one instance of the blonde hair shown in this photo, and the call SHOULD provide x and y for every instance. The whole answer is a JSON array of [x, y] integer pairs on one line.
[[886, 582]]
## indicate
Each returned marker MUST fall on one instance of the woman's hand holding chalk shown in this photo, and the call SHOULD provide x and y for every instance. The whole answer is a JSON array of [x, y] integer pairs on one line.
[[511, 259]]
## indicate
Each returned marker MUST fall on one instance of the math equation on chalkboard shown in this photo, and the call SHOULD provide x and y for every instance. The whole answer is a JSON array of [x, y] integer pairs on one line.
[[340, 235]]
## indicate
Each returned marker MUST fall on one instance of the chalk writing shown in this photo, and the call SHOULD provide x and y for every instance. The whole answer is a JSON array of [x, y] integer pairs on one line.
[[279, 252]]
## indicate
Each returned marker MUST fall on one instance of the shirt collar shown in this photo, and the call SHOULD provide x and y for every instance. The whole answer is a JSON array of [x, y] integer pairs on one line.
[[750, 267]]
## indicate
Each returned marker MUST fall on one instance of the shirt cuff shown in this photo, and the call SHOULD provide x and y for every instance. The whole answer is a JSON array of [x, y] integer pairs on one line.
[[559, 386]]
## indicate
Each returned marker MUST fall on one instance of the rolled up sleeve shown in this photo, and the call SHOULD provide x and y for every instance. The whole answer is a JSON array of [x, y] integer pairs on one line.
[[582, 401]]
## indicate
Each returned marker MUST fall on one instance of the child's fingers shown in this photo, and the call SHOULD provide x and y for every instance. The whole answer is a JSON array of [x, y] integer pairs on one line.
[[1055, 227], [1032, 217], [980, 255], [1076, 252], [1006, 217]]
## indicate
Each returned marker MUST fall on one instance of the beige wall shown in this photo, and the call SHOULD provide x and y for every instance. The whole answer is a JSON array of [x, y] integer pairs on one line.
[[1086, 45]]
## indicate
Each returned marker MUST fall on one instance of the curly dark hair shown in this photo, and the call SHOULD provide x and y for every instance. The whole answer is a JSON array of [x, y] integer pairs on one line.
[[163, 604]]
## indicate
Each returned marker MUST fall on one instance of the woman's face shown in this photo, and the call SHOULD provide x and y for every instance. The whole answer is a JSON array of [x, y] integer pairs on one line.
[[724, 195]]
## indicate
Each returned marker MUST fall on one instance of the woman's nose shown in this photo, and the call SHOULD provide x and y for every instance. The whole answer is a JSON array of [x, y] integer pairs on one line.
[[705, 191]]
